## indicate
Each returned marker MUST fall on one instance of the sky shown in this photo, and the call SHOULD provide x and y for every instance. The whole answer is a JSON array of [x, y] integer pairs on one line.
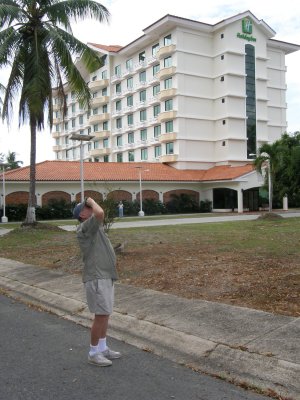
[[127, 21]]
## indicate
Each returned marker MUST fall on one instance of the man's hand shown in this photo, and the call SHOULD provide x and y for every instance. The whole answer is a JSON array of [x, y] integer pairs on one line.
[[97, 210]]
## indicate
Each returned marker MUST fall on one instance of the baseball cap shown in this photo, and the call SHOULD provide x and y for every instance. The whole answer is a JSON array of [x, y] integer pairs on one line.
[[77, 210]]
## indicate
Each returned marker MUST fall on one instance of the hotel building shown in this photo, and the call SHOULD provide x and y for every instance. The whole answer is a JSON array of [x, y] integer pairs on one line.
[[186, 93]]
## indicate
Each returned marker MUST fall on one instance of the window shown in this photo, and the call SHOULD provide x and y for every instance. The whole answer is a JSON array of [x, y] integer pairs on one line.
[[129, 64], [118, 70], [118, 105], [142, 56], [224, 122], [222, 35], [144, 154], [73, 108], [105, 125], [155, 49], [167, 40], [57, 128], [169, 105], [170, 148], [73, 123], [156, 90], [118, 88], [222, 57], [104, 92], [104, 74], [104, 108], [119, 123], [94, 78], [222, 79], [119, 140], [130, 101], [94, 95], [96, 144], [156, 69], [224, 143], [104, 59], [223, 100], [130, 83], [156, 110], [157, 130], [168, 83], [130, 137], [143, 134], [157, 151], [169, 126], [143, 95], [142, 76], [95, 111], [131, 156], [89, 131], [143, 115], [105, 158], [105, 143], [168, 62], [96, 128], [130, 119], [119, 157], [66, 126], [80, 119]]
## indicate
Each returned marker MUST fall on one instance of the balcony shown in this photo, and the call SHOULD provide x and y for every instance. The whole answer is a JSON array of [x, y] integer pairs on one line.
[[154, 81], [57, 107], [166, 72], [166, 51], [140, 66], [56, 135], [152, 60], [98, 84], [98, 101], [168, 158], [101, 134], [56, 148], [166, 94], [128, 110], [127, 73], [118, 95], [167, 137], [94, 119], [100, 152], [117, 113], [141, 105], [56, 121], [115, 78], [166, 116], [153, 100], [141, 85]]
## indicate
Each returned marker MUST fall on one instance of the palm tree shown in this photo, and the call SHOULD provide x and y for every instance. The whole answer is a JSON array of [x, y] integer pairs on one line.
[[37, 43], [269, 157], [11, 162], [2, 90]]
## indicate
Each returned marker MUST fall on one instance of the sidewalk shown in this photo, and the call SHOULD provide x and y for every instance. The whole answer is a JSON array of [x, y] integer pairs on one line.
[[239, 344]]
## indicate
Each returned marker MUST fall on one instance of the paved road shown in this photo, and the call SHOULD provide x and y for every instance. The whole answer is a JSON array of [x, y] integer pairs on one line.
[[43, 357]]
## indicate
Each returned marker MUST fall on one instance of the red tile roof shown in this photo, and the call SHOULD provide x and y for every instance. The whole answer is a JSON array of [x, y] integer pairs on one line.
[[93, 171], [114, 48]]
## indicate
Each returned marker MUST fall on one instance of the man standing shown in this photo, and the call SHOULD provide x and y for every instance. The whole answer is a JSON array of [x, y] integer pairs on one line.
[[99, 274]]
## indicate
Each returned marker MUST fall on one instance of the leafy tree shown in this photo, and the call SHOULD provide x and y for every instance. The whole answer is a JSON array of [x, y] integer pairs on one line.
[[37, 43], [284, 155], [2, 90]]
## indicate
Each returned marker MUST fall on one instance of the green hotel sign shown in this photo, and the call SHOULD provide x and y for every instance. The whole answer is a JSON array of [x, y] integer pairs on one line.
[[247, 30]]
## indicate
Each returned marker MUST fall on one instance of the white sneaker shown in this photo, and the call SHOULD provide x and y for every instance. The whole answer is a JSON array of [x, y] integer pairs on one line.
[[99, 359], [110, 354]]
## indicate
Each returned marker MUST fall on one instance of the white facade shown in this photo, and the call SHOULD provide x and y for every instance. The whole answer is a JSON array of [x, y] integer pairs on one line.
[[181, 94]]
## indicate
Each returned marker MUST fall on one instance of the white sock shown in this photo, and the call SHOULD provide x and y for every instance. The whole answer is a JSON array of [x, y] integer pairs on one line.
[[93, 350], [102, 344]]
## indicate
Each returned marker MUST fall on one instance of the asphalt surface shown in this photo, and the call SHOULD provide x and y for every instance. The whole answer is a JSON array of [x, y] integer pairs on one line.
[[44, 357]]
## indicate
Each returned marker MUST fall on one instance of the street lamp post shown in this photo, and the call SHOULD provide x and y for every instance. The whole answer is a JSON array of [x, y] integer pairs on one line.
[[4, 218], [141, 212], [81, 138]]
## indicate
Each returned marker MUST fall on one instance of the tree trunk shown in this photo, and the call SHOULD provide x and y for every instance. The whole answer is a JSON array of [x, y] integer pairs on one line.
[[30, 216]]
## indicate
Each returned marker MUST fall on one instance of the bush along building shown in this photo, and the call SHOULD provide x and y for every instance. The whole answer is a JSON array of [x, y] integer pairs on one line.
[[187, 95]]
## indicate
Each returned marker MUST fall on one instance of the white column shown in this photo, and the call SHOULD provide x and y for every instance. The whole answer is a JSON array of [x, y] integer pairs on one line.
[[240, 201]]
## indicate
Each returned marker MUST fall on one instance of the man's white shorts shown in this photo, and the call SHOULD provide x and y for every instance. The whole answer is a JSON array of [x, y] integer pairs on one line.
[[100, 296]]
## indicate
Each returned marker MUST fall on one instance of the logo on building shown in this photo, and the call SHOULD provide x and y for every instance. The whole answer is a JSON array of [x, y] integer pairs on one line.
[[247, 26]]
